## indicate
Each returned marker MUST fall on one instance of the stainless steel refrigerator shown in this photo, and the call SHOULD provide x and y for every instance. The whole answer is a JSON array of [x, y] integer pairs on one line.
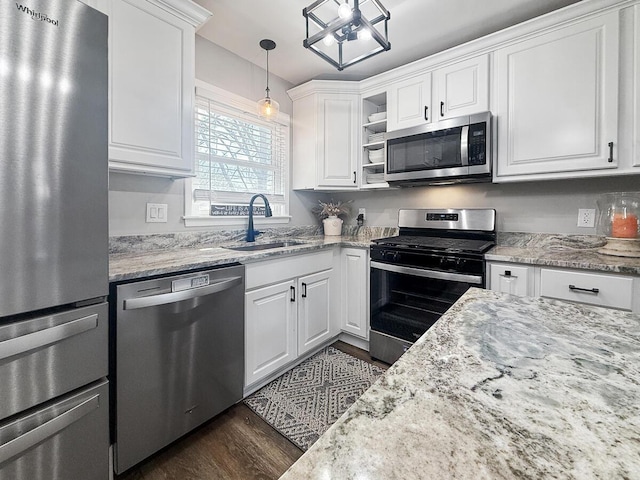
[[53, 241]]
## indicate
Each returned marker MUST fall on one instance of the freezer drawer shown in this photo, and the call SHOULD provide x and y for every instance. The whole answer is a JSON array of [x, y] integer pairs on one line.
[[65, 439], [179, 357], [47, 356]]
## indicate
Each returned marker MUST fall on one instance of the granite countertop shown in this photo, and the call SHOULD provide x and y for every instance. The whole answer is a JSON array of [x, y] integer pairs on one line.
[[141, 264], [502, 387], [560, 250], [142, 256]]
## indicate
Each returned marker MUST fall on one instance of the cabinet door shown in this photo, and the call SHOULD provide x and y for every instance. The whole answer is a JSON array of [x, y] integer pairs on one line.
[[513, 279], [152, 64], [462, 88], [354, 318], [409, 103], [314, 319], [270, 330], [557, 100], [337, 139]]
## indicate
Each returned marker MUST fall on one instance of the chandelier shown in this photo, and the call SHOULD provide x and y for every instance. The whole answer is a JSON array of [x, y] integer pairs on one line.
[[350, 36]]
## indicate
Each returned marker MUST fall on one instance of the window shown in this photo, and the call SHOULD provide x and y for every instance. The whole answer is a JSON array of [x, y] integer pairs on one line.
[[237, 155]]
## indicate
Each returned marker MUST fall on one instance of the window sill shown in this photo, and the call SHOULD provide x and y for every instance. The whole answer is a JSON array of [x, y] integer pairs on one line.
[[196, 221]]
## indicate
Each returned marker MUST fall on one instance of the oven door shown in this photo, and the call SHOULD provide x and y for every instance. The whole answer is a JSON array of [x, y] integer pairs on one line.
[[407, 301]]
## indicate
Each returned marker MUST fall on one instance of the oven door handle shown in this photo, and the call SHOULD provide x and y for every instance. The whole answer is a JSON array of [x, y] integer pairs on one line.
[[419, 272]]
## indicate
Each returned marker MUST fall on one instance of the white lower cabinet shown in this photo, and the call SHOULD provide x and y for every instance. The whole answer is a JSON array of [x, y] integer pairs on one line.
[[354, 314], [314, 314], [270, 330], [600, 289], [511, 278], [288, 311], [610, 290]]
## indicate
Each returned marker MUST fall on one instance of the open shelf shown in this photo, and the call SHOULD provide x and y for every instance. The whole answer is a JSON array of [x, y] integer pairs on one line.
[[371, 104]]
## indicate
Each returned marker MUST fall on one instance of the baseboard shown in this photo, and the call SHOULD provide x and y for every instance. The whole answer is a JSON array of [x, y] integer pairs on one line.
[[355, 341]]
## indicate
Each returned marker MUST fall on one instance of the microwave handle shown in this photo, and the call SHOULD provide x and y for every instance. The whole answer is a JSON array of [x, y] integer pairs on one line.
[[464, 145]]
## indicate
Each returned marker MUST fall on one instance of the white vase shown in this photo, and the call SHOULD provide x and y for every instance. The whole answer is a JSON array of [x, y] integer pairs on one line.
[[332, 226]]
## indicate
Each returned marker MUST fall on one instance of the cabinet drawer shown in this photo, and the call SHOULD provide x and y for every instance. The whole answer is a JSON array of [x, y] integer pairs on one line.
[[268, 272], [513, 279], [592, 288]]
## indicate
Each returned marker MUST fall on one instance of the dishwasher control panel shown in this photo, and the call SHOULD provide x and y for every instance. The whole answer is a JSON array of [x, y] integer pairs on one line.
[[189, 283]]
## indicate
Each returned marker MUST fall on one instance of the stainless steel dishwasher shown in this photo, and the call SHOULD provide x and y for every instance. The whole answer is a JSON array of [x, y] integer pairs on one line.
[[179, 357]]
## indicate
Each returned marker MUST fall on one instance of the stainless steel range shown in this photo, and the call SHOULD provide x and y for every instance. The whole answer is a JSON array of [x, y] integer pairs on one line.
[[417, 275]]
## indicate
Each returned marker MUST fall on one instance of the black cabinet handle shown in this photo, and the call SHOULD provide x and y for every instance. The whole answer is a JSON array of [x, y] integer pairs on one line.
[[304, 290], [354, 177], [610, 159], [426, 112], [588, 290], [507, 273], [442, 109], [293, 293]]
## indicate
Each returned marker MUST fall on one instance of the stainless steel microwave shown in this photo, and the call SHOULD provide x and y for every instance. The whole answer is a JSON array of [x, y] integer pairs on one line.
[[450, 151]]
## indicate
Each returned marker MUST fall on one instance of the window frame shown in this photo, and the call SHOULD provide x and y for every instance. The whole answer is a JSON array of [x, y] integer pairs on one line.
[[245, 107]]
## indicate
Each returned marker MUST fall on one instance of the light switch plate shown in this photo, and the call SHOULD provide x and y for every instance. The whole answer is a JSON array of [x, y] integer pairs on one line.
[[157, 212]]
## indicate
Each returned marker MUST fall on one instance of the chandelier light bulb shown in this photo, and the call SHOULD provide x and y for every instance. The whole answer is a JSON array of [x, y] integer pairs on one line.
[[364, 34], [344, 10], [328, 40]]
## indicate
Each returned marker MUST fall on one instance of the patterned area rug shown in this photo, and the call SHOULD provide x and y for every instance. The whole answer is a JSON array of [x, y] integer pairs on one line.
[[304, 402]]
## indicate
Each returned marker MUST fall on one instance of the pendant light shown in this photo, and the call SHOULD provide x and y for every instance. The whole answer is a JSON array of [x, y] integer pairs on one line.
[[267, 107]]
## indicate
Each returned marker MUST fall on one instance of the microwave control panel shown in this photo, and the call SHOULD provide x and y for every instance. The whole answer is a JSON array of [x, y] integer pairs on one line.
[[477, 144]]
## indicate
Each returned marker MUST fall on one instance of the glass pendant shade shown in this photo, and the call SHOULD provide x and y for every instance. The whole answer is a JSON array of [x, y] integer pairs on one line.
[[268, 108]]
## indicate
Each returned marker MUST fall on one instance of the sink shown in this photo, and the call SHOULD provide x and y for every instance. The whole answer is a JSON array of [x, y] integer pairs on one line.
[[264, 246]]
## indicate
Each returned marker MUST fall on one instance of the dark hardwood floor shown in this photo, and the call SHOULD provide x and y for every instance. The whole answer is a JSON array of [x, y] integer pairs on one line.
[[237, 444]]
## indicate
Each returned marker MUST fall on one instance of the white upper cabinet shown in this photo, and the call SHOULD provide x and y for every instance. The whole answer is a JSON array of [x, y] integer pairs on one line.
[[409, 102], [151, 87], [461, 88], [557, 100], [325, 137]]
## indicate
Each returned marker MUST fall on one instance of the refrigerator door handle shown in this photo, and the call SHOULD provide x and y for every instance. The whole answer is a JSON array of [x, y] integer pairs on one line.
[[164, 298], [48, 336], [27, 440]]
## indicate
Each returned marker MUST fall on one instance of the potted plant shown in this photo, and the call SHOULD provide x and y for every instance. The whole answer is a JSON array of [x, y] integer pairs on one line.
[[329, 213]]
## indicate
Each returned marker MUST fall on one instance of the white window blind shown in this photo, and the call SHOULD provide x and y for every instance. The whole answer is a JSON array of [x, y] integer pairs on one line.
[[238, 155]]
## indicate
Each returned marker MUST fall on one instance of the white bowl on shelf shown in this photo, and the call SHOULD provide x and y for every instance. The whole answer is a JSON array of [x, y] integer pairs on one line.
[[375, 178], [376, 156], [376, 137], [375, 117]]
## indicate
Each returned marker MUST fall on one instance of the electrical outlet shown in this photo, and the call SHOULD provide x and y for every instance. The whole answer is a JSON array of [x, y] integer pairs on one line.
[[362, 211], [586, 217], [157, 212]]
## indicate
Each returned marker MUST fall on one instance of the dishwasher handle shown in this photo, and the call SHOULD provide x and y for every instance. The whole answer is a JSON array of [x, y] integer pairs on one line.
[[164, 298]]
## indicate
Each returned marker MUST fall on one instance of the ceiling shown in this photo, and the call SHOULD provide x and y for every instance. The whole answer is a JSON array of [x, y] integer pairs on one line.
[[417, 28]]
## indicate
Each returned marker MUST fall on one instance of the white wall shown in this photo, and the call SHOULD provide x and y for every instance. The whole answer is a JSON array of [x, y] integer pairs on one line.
[[129, 194], [544, 207]]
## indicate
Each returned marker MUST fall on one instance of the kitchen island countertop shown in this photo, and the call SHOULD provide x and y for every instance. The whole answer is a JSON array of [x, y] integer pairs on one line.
[[502, 387]]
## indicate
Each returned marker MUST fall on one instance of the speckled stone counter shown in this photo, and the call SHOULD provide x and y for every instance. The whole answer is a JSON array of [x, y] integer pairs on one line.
[[140, 256], [501, 387], [565, 251]]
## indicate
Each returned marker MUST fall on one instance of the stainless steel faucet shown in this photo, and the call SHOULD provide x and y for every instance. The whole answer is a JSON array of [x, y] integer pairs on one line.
[[251, 233]]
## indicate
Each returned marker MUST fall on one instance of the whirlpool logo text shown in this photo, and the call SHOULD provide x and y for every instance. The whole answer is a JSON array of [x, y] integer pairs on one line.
[[43, 17]]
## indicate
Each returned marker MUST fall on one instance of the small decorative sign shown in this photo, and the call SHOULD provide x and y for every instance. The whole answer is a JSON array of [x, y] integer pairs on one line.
[[235, 210]]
